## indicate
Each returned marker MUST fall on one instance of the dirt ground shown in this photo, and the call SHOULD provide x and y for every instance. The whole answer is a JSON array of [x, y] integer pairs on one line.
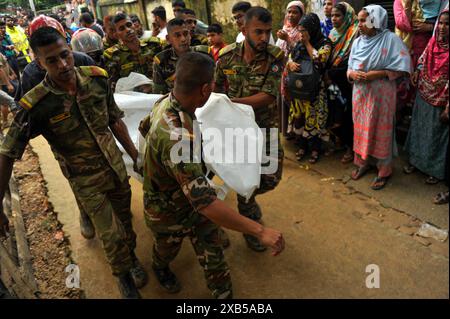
[[333, 228], [49, 248]]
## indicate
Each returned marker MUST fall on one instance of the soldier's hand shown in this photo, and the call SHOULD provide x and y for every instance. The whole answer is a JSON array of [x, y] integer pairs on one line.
[[4, 223], [272, 238]]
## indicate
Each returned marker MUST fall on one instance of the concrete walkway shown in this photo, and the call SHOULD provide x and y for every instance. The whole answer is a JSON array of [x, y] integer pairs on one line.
[[333, 231]]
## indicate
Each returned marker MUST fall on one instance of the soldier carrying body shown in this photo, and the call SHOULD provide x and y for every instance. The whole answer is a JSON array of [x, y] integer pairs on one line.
[[252, 71], [74, 110], [178, 200]]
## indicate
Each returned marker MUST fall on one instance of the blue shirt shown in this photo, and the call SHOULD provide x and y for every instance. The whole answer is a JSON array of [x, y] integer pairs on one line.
[[430, 8]]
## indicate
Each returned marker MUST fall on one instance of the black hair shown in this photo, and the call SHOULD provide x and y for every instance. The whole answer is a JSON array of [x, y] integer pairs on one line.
[[177, 22], [134, 18], [216, 28], [86, 18], [160, 12], [189, 12], [119, 17], [193, 70], [178, 3], [341, 7], [260, 13], [2, 23], [45, 36], [85, 10], [243, 6]]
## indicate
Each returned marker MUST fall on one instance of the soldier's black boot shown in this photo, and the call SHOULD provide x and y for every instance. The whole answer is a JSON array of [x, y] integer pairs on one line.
[[127, 287], [138, 273], [254, 244], [86, 226], [167, 279]]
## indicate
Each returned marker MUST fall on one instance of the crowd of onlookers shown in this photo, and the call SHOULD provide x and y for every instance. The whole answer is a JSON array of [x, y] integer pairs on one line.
[[347, 79]]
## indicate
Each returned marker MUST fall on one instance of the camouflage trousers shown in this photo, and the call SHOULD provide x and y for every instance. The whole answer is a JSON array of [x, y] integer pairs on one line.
[[207, 243], [111, 216], [268, 182]]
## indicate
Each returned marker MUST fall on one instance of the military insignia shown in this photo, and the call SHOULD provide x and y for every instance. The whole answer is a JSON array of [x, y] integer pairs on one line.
[[229, 72], [127, 66], [59, 117], [299, 84], [275, 68]]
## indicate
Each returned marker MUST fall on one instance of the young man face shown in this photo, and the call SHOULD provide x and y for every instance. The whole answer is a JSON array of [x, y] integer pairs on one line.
[[180, 38], [57, 60], [10, 22], [257, 34], [327, 7], [125, 31], [238, 18], [214, 38], [177, 11], [138, 28], [110, 31], [191, 22], [2, 31]]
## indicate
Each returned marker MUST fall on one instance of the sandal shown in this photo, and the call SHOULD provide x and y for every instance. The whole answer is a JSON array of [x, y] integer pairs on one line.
[[441, 198], [314, 157], [360, 172], [408, 169], [379, 182], [300, 154], [347, 158], [432, 180]]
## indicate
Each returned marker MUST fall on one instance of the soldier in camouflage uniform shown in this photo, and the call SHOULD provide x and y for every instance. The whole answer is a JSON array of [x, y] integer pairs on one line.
[[253, 70], [178, 200], [110, 38], [74, 110], [190, 19], [131, 54], [165, 62]]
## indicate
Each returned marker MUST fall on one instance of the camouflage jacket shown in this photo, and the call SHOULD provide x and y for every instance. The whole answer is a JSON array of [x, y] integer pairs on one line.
[[263, 74], [199, 39], [164, 68], [76, 127], [120, 61], [107, 43], [174, 192]]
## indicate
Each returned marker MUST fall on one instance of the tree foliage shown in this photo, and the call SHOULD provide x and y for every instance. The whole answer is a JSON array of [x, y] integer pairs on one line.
[[39, 4]]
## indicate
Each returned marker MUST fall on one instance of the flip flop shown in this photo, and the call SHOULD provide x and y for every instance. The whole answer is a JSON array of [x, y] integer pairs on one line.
[[347, 158], [314, 157], [381, 181], [360, 172], [432, 180], [300, 154], [441, 198]]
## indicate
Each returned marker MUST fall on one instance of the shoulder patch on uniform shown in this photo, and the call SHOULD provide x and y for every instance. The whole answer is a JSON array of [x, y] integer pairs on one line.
[[153, 40], [275, 52], [227, 49], [108, 53], [202, 48], [93, 71], [33, 96]]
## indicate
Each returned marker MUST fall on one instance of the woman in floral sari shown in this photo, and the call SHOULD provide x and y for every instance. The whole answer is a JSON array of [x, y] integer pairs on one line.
[[378, 57], [308, 118], [428, 137], [342, 36]]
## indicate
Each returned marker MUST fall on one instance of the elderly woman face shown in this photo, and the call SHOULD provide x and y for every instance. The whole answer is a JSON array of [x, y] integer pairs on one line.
[[294, 14], [363, 28]]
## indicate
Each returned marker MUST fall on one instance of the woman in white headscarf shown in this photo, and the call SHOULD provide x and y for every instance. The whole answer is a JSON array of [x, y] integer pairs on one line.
[[378, 57], [290, 34]]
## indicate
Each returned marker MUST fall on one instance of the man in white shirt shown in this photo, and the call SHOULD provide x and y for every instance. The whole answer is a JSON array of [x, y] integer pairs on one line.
[[238, 10], [159, 23]]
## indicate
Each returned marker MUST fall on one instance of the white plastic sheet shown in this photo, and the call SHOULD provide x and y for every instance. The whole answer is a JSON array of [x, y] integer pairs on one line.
[[220, 116]]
